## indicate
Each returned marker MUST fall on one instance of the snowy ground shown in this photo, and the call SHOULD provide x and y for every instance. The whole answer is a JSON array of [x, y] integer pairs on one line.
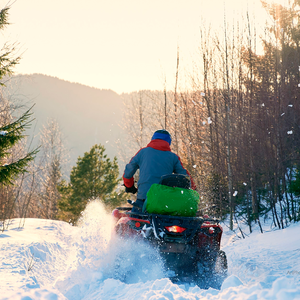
[[53, 260]]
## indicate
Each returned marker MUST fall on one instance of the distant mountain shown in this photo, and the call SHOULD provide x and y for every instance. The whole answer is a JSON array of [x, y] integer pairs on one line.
[[86, 115]]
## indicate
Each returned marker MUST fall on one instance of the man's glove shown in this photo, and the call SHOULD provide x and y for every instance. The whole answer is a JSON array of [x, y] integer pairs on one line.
[[131, 189]]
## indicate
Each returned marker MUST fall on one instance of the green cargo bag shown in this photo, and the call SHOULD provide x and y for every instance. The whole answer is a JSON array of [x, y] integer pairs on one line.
[[174, 201]]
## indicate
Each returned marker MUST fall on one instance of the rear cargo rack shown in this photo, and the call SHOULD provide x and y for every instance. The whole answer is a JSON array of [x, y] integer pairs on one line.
[[124, 208], [151, 216]]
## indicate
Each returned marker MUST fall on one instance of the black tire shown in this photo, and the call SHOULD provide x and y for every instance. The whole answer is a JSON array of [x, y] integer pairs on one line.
[[212, 271], [221, 266], [220, 270], [179, 267]]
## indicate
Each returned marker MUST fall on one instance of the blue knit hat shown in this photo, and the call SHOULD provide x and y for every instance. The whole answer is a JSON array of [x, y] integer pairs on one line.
[[162, 135]]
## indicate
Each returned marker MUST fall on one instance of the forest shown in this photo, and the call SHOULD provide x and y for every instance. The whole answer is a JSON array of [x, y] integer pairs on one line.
[[235, 126]]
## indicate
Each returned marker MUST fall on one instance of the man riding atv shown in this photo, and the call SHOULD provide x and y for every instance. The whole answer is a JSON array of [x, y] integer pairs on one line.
[[189, 245], [153, 161]]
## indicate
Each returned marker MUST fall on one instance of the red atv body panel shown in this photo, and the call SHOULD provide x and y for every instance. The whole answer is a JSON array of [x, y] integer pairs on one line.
[[191, 251], [207, 236]]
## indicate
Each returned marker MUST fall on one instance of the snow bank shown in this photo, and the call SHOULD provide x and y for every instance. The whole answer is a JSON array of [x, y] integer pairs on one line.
[[264, 258], [32, 258], [53, 260]]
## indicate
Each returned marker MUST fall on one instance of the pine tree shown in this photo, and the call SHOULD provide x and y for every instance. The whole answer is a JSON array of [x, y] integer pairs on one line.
[[10, 135], [94, 177], [7, 62]]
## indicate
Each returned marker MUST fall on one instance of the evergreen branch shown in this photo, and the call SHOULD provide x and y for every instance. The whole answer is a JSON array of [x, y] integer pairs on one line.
[[4, 17], [12, 133], [10, 171], [18, 124], [7, 62]]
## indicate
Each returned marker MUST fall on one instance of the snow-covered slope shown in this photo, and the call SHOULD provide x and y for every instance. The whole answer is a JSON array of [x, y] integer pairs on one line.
[[52, 260]]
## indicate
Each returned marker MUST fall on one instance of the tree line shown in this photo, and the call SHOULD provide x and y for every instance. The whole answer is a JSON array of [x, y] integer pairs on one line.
[[236, 127], [31, 181]]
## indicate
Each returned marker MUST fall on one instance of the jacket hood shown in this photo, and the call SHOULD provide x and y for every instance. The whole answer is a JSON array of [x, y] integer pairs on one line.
[[159, 145]]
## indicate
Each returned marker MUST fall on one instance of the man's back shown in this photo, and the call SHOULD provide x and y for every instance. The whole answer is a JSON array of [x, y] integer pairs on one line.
[[153, 164], [154, 161]]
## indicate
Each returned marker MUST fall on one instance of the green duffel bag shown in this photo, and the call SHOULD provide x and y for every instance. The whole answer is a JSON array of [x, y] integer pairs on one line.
[[174, 201]]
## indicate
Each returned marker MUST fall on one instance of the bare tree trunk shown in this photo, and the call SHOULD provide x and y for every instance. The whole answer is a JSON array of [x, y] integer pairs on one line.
[[227, 111], [165, 95], [248, 214], [176, 104], [141, 119]]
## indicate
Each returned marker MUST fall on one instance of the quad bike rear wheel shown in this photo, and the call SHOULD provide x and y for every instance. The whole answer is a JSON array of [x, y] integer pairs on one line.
[[180, 267], [212, 270]]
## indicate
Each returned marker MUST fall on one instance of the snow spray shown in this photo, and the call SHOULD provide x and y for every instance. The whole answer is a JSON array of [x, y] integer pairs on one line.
[[133, 260], [95, 227], [89, 249], [99, 257]]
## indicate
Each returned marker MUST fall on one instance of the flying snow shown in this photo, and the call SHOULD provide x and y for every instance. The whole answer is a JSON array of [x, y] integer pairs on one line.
[[51, 260]]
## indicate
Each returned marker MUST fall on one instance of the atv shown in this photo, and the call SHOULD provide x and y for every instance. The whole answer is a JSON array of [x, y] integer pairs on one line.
[[188, 246]]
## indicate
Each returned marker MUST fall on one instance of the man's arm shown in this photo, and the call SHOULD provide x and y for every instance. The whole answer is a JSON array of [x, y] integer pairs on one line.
[[130, 170]]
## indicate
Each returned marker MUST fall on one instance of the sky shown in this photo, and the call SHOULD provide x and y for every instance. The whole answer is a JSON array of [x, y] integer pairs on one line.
[[120, 45]]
